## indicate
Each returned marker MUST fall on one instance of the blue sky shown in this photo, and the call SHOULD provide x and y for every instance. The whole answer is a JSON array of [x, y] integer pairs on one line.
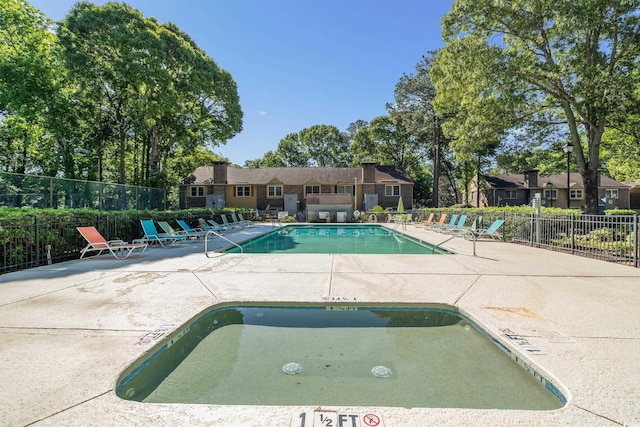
[[299, 63]]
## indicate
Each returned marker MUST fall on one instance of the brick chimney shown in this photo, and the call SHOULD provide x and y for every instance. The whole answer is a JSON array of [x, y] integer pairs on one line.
[[531, 179], [368, 172], [220, 172]]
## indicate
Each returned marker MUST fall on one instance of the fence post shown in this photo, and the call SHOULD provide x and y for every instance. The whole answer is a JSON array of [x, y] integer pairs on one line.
[[51, 193], [573, 234], [635, 240], [37, 238]]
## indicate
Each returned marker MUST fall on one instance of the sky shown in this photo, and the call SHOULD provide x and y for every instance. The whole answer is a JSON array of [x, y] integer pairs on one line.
[[299, 63]]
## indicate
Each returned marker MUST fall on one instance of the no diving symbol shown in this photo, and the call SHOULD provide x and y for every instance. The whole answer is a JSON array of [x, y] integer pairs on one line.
[[371, 420]]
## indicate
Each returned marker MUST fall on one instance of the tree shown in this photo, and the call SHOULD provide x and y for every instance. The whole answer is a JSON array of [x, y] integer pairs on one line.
[[315, 146], [571, 57], [150, 84], [415, 94], [31, 77], [325, 146]]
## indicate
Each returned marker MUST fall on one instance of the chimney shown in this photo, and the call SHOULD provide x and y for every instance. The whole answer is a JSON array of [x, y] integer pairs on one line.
[[220, 172], [368, 172], [531, 179]]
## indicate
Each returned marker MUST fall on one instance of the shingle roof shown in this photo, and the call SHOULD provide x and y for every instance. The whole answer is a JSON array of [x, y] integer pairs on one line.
[[297, 176], [557, 181], [505, 181]]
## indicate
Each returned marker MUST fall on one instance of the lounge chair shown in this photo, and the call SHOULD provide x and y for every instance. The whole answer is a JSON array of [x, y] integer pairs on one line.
[[217, 227], [428, 221], [171, 232], [232, 226], [239, 222], [440, 223], [451, 223], [492, 231], [459, 226], [249, 222], [96, 243], [192, 232], [151, 235]]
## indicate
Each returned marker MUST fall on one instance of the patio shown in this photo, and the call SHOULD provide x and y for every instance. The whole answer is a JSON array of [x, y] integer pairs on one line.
[[70, 329]]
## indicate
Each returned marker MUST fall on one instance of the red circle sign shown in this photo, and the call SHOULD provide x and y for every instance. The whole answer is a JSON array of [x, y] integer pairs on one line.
[[371, 420]]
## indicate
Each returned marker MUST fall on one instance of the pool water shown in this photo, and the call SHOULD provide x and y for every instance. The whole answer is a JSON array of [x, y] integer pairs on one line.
[[406, 356], [336, 239]]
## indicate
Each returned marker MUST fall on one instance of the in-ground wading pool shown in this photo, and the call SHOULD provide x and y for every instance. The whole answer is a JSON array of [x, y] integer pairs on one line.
[[338, 355]]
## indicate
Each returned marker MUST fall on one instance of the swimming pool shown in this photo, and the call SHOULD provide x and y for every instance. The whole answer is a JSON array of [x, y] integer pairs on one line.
[[339, 355], [336, 239]]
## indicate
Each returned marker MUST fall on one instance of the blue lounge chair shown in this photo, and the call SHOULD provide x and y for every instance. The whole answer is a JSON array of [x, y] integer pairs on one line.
[[151, 235], [191, 232], [492, 231], [459, 226]]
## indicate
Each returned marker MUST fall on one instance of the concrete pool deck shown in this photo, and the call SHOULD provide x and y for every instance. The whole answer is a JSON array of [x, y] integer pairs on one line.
[[69, 330]]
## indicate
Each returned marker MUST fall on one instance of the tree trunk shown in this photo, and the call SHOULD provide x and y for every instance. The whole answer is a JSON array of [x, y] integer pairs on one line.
[[154, 158], [587, 165], [121, 170], [436, 161]]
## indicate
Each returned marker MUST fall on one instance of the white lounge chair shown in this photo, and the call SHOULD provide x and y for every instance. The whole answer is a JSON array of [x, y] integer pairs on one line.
[[97, 243]]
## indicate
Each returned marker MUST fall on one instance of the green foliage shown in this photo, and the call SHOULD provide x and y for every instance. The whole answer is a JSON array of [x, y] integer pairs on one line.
[[131, 92], [620, 212], [506, 64], [318, 145]]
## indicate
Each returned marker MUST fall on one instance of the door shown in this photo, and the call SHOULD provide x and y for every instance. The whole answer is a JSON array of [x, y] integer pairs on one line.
[[215, 201], [291, 203]]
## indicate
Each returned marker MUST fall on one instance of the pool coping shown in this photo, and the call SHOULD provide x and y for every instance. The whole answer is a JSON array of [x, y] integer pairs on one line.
[[60, 322]]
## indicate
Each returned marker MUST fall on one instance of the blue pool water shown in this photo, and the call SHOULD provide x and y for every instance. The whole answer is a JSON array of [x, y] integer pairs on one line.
[[337, 239]]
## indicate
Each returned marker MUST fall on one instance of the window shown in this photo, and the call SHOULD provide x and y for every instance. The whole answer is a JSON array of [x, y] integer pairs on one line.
[[551, 194], [344, 189], [391, 190], [243, 191], [510, 194], [575, 194], [197, 191], [611, 193], [274, 191], [312, 189]]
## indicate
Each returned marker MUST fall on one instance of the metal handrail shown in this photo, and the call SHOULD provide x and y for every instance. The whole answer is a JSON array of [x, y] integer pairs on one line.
[[206, 241]]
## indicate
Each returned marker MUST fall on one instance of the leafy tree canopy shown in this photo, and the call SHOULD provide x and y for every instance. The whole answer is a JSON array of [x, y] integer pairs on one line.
[[506, 62]]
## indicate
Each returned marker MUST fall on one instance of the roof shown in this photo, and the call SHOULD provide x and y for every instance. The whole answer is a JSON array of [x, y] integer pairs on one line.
[[557, 181], [298, 176]]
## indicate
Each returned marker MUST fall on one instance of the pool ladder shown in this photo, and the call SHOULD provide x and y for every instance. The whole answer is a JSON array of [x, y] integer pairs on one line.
[[206, 242]]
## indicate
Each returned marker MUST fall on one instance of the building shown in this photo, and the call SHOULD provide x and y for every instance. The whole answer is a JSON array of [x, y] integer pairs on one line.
[[519, 189], [307, 190]]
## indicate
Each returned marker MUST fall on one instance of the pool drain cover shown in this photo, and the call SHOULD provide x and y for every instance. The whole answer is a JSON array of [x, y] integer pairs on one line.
[[292, 368], [381, 372]]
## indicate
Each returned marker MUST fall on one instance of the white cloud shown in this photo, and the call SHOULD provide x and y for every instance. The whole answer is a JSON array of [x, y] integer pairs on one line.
[[262, 113]]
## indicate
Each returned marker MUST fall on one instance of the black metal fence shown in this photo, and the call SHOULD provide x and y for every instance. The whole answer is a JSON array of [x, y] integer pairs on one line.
[[613, 238], [43, 192], [606, 237], [35, 240]]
